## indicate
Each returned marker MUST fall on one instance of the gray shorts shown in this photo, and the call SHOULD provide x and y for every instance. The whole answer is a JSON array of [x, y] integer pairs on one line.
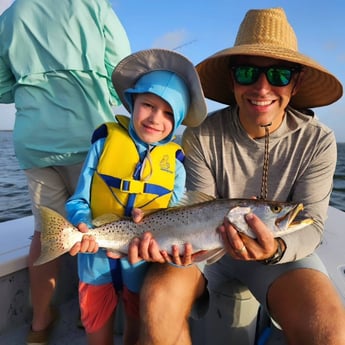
[[51, 187], [254, 275]]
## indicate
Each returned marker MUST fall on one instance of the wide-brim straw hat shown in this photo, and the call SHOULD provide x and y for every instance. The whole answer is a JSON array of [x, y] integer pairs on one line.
[[134, 66], [267, 33]]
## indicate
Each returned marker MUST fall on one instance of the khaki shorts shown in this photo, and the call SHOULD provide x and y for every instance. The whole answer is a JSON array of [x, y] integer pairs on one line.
[[51, 187], [256, 276]]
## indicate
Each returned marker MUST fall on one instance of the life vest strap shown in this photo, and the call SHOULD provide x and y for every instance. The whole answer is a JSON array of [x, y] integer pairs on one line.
[[134, 186]]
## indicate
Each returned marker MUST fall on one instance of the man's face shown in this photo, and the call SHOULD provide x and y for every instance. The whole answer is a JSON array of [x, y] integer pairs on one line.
[[261, 103]]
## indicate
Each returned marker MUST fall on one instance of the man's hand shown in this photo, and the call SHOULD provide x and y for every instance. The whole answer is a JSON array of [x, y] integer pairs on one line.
[[243, 247]]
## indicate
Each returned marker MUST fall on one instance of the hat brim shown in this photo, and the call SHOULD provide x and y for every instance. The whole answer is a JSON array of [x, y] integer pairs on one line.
[[318, 88], [131, 68]]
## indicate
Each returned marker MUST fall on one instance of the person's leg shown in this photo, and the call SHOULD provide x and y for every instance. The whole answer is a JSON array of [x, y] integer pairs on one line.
[[166, 300], [97, 305], [104, 335], [132, 322], [42, 284], [298, 295], [308, 308], [131, 332], [50, 187]]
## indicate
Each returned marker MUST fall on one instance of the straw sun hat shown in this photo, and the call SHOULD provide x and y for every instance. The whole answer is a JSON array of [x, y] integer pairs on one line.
[[268, 33], [133, 67]]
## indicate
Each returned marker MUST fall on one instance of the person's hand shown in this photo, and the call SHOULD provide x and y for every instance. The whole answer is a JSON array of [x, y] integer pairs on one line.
[[144, 248], [88, 243], [243, 247], [137, 215], [177, 258]]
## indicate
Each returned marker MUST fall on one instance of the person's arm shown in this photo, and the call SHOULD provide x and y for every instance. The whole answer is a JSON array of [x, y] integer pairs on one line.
[[78, 205], [117, 47], [313, 189], [199, 175], [7, 81], [179, 184]]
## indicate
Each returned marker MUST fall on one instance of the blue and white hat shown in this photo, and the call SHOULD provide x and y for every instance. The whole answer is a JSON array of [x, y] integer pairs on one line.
[[167, 74]]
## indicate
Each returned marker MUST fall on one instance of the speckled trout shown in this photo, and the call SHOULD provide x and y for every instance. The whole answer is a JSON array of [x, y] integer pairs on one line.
[[187, 223]]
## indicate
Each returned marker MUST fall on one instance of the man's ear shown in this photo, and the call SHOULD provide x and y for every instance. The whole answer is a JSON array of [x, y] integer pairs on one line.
[[231, 80]]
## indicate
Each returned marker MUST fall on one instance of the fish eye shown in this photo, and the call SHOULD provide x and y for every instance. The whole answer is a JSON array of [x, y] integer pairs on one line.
[[276, 208]]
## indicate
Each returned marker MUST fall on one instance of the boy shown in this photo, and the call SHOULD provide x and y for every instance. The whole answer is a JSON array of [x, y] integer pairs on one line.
[[132, 164]]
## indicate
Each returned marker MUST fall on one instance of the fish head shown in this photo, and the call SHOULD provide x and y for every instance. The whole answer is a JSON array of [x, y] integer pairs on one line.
[[279, 217]]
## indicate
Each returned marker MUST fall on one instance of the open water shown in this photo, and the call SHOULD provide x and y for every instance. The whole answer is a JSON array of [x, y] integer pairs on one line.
[[15, 202]]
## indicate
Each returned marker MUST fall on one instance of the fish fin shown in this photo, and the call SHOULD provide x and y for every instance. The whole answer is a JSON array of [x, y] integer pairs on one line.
[[216, 256], [105, 219], [194, 197], [52, 238], [210, 255]]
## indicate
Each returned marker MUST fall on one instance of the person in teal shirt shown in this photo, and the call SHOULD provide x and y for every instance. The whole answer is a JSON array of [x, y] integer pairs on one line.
[[56, 61]]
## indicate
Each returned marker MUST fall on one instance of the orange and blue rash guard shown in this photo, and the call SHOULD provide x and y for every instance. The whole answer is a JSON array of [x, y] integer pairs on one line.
[[115, 178]]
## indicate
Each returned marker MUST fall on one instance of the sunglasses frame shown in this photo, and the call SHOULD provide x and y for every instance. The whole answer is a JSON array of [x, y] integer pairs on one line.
[[265, 70]]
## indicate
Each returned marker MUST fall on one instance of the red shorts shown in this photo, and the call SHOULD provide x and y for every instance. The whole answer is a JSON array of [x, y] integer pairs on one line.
[[98, 302]]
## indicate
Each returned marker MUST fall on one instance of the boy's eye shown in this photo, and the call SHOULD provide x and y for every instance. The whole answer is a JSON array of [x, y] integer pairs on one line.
[[145, 104]]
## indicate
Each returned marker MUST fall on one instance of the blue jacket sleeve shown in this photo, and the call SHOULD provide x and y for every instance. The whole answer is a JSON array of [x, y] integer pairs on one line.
[[180, 183], [78, 205]]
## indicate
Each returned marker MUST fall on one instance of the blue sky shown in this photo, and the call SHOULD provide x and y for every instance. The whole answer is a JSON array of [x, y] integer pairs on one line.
[[199, 29]]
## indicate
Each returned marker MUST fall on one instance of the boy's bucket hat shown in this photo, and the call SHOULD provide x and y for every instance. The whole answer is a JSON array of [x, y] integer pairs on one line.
[[133, 67]]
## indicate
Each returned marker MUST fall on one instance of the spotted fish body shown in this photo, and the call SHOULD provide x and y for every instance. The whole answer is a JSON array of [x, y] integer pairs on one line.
[[195, 224]]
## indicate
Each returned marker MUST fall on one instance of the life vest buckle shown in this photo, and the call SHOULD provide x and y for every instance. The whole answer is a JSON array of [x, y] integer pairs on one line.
[[132, 186]]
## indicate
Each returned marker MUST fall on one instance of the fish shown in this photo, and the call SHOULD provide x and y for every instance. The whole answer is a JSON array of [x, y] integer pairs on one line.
[[195, 220]]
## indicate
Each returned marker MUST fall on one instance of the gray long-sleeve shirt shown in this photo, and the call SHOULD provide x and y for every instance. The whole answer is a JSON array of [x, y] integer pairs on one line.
[[223, 161]]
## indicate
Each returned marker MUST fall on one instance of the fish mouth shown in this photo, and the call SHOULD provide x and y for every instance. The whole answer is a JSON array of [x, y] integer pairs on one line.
[[288, 219]]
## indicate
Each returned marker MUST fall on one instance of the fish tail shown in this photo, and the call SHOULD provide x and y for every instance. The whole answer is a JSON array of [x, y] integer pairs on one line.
[[55, 236]]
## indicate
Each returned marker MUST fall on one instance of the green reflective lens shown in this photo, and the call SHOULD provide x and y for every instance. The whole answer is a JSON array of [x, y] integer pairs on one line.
[[276, 76]]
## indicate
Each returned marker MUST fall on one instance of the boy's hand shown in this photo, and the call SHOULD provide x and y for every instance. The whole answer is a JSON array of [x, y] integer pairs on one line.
[[88, 243]]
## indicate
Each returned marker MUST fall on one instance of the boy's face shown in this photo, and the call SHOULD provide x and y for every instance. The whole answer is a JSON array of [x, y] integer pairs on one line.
[[153, 118]]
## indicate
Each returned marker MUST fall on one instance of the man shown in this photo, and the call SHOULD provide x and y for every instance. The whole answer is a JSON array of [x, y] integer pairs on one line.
[[266, 144]]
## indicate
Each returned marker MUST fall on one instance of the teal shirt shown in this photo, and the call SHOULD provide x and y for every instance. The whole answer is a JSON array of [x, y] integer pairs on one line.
[[56, 61]]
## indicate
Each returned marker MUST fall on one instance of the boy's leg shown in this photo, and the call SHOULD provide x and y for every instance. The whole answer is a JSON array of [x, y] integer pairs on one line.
[[97, 306], [166, 300], [132, 321], [104, 335]]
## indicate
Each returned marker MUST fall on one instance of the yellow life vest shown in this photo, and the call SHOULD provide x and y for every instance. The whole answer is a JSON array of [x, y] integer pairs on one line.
[[115, 188]]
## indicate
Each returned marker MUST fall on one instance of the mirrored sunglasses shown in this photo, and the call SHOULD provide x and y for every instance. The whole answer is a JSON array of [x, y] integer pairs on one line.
[[276, 76]]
